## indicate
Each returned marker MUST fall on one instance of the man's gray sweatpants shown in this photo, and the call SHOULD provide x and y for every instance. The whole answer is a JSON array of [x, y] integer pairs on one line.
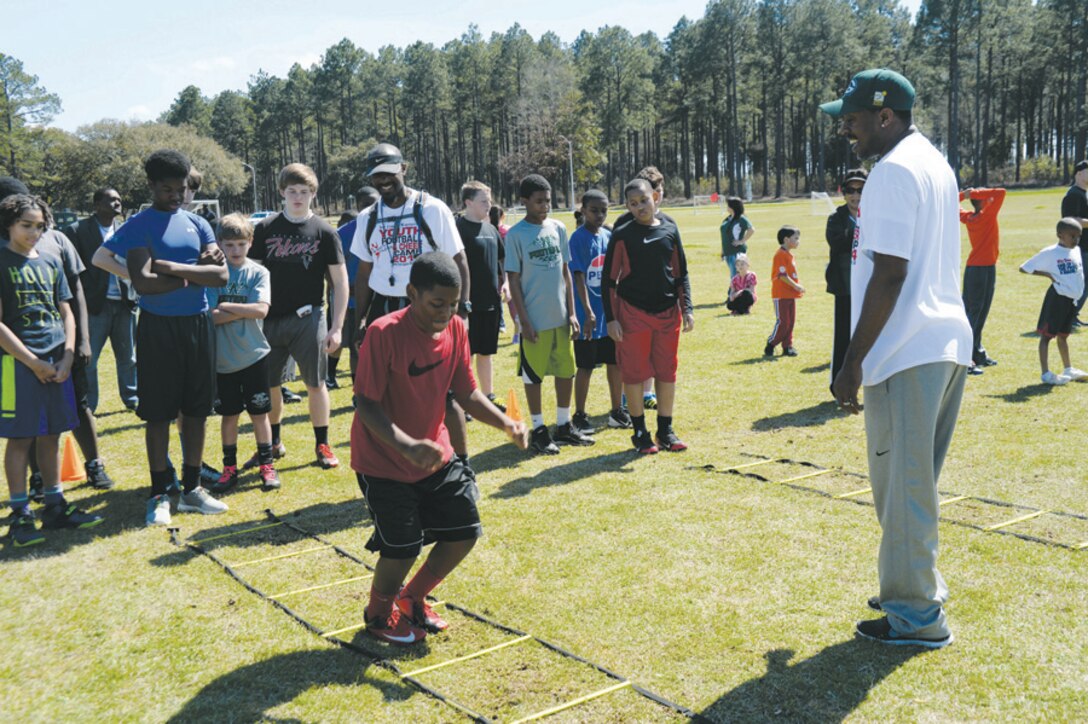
[[909, 420]]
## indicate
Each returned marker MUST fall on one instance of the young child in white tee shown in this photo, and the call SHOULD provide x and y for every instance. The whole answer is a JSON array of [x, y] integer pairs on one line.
[[1062, 265]]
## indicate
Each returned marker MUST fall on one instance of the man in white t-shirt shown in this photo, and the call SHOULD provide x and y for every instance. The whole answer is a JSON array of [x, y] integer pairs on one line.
[[910, 346], [392, 234]]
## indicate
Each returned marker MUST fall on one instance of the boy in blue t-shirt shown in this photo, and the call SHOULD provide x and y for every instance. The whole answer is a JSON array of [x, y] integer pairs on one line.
[[38, 338], [588, 245], [171, 256]]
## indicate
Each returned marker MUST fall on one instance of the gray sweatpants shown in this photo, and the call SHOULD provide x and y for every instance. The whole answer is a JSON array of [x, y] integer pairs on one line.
[[909, 419]]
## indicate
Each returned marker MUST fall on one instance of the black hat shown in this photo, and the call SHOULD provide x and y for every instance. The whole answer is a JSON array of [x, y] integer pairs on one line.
[[383, 158], [10, 186]]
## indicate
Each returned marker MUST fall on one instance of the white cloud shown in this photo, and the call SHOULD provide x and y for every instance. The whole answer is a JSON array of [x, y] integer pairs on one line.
[[139, 113], [223, 62]]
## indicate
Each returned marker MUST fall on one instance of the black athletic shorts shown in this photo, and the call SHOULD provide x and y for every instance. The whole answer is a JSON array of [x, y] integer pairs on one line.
[[1056, 316], [79, 383], [588, 353], [175, 366], [408, 516], [483, 332], [245, 390], [381, 305]]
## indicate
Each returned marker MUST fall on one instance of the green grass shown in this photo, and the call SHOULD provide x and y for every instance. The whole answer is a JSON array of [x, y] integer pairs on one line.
[[734, 597]]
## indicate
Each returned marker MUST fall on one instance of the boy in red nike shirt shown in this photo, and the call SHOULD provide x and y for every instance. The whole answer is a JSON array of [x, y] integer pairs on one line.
[[417, 491]]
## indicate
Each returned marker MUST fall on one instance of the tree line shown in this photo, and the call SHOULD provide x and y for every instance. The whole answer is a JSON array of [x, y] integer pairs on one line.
[[723, 103]]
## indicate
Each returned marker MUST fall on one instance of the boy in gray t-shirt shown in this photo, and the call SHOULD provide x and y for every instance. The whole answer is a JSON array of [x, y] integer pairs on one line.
[[241, 363], [537, 254]]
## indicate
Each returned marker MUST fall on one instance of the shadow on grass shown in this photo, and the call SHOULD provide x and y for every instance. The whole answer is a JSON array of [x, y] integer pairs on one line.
[[818, 414], [566, 473], [320, 518], [121, 510], [826, 687], [710, 305], [251, 692], [1025, 393], [825, 367], [754, 360]]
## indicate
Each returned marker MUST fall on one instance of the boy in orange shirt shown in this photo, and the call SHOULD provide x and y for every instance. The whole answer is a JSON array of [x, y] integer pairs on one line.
[[785, 290], [981, 270]]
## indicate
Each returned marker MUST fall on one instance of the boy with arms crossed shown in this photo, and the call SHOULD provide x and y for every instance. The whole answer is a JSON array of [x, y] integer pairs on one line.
[[300, 250], [241, 352], [543, 295], [588, 247], [38, 338], [171, 256], [416, 489], [647, 293]]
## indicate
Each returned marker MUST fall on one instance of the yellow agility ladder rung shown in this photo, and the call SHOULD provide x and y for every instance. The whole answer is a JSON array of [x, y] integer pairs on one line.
[[746, 465], [503, 645], [804, 477], [302, 552], [852, 493], [956, 499], [237, 532], [323, 586], [357, 626], [576, 702], [1021, 519]]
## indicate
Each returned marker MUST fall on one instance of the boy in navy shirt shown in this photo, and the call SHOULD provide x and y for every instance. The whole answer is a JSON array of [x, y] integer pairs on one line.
[[171, 255]]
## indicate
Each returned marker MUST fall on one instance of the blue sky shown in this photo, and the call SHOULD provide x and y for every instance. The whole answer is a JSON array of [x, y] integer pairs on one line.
[[129, 59]]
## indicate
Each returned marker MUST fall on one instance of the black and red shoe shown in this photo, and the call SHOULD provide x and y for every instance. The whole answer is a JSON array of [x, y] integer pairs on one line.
[[421, 614], [667, 440], [396, 629]]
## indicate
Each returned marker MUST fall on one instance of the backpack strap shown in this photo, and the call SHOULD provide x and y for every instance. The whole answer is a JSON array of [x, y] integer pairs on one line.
[[371, 223], [417, 212]]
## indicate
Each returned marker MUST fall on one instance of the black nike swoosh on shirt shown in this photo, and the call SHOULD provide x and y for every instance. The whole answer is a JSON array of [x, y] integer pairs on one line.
[[414, 371]]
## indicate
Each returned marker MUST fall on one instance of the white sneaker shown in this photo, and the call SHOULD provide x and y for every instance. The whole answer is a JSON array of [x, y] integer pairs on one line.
[[200, 501], [158, 510], [1074, 374], [1049, 378]]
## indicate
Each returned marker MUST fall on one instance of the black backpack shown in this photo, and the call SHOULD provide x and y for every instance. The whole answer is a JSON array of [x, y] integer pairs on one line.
[[417, 213]]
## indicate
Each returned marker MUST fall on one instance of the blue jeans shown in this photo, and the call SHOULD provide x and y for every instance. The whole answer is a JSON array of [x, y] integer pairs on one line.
[[116, 322], [731, 260]]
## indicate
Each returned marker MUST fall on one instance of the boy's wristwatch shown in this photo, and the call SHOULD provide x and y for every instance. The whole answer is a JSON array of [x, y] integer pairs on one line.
[[464, 308]]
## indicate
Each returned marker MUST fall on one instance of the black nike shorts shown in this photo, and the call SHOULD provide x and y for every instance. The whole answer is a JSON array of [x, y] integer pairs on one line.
[[408, 516]]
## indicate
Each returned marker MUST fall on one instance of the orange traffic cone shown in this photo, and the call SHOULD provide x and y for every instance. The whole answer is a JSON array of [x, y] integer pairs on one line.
[[512, 409], [70, 469]]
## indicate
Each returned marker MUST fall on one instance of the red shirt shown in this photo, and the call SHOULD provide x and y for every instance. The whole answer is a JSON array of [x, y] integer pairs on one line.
[[409, 373], [982, 227], [783, 264]]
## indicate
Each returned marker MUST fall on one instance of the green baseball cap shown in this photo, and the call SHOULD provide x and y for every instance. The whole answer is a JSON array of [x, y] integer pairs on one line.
[[873, 88]]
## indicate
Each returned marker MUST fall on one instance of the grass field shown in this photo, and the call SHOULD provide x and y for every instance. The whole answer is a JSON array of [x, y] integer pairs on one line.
[[729, 595]]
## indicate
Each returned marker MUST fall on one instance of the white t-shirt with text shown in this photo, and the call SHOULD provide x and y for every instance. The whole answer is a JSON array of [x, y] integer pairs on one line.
[[1064, 265], [398, 241], [910, 210]]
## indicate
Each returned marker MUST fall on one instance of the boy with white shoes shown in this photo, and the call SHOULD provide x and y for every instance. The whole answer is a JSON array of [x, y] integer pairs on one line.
[[1063, 266]]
